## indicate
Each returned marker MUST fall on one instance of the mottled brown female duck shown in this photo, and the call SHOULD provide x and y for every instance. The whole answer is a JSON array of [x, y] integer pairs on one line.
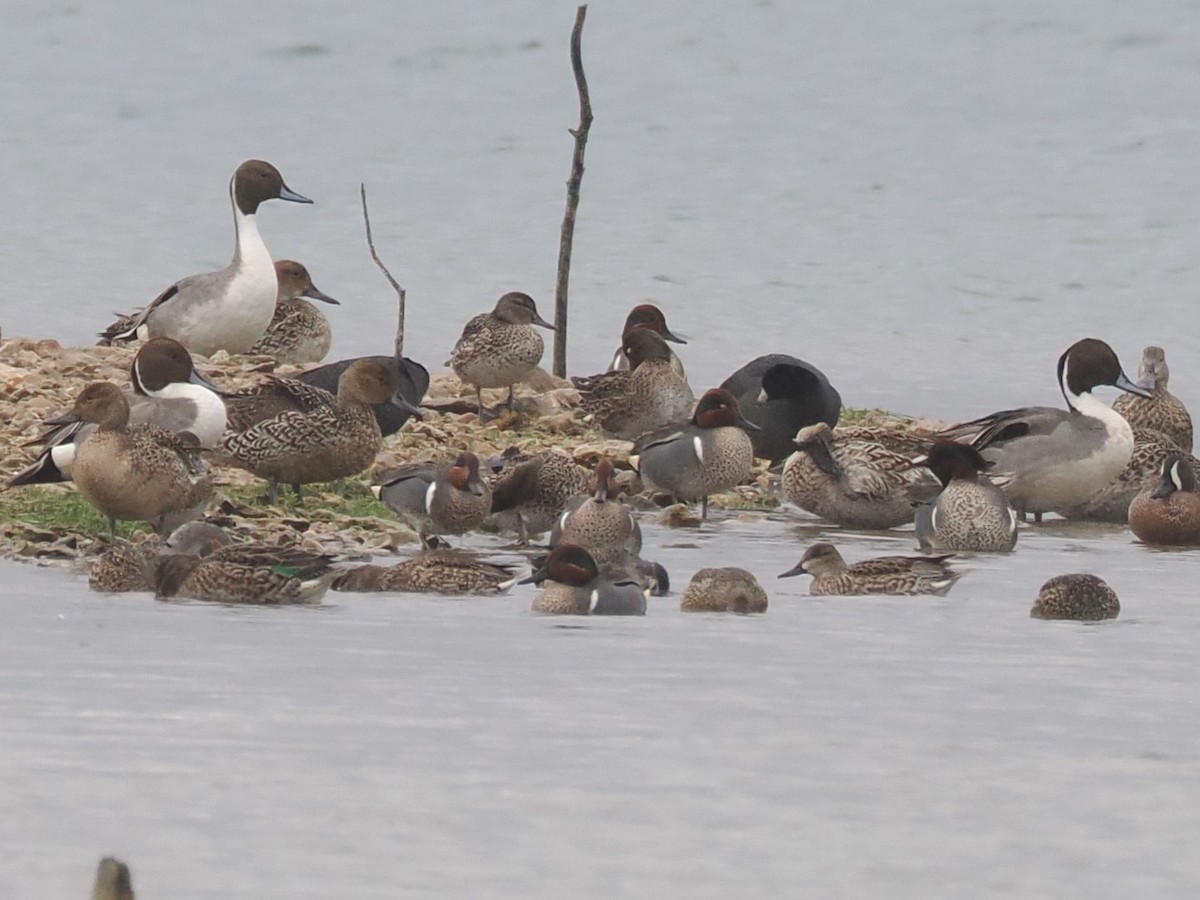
[[299, 332], [601, 523], [113, 881], [1162, 411], [449, 572], [723, 589], [898, 575], [1078, 596], [530, 494]]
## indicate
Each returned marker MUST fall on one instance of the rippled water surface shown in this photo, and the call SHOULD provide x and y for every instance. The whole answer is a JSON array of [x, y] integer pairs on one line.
[[928, 200]]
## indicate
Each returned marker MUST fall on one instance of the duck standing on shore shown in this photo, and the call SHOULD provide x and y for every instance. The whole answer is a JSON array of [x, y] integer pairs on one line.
[[298, 333]]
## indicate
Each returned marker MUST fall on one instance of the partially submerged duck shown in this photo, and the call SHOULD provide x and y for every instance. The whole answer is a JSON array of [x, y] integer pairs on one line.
[[573, 584], [897, 575], [448, 572], [723, 589], [1081, 596], [113, 881], [968, 512]]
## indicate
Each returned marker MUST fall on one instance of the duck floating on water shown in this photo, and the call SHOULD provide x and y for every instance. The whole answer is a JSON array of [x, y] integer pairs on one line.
[[897, 575]]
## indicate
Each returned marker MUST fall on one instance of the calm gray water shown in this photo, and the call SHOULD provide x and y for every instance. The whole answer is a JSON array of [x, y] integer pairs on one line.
[[929, 200]]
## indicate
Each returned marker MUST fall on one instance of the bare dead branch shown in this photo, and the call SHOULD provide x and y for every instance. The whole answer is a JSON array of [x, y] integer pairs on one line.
[[362, 190]]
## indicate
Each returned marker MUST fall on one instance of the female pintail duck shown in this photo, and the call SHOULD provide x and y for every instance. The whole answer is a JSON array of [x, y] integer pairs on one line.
[[578, 586], [446, 498], [601, 523], [899, 575], [649, 396], [136, 472], [1078, 596], [724, 589], [781, 394], [1059, 457], [853, 483], [711, 453], [1169, 513], [499, 348], [968, 512], [113, 881], [1162, 411], [646, 315], [230, 309], [299, 332], [534, 492], [448, 572], [291, 433], [409, 377], [165, 390]]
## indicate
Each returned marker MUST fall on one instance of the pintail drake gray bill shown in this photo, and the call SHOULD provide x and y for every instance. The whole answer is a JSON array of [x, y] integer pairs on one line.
[[165, 390], [230, 309], [723, 589], [432, 498], [646, 315], [578, 586], [1058, 458], [1079, 596], [1163, 411], [968, 512], [298, 333], [896, 575], [1169, 513]]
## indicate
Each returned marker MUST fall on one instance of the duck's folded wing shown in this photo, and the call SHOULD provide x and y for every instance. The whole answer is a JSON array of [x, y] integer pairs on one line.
[[1006, 425], [126, 327]]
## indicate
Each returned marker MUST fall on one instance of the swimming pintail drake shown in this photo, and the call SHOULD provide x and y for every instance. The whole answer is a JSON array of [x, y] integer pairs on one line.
[[299, 332], [646, 315], [1169, 513], [534, 492], [968, 512], [853, 483], [1059, 457], [575, 585], [139, 473], [709, 454], [600, 523], [1079, 596], [899, 575], [113, 881], [432, 498], [449, 572], [1162, 411], [230, 309], [165, 390], [289, 432], [649, 396], [781, 394], [500, 348], [724, 589]]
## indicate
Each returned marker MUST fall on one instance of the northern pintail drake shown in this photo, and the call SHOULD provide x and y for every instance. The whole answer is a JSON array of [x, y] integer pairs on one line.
[[1162, 411], [137, 473], [600, 523], [723, 589], [1059, 457], [1078, 596], [1169, 513], [898, 575], [646, 315], [230, 309], [968, 512], [433, 498], [709, 454], [449, 572], [113, 881], [289, 432], [299, 332], [853, 483], [649, 396], [534, 492], [165, 390], [781, 394], [500, 348], [576, 585], [409, 378]]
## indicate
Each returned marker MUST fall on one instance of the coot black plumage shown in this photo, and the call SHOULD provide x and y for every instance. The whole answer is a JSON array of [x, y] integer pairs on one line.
[[781, 394]]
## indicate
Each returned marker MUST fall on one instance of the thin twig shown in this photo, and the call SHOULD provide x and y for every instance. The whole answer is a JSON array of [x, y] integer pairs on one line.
[[568, 226], [362, 190]]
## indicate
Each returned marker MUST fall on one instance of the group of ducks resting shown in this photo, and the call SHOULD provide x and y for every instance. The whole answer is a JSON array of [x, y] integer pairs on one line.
[[144, 452]]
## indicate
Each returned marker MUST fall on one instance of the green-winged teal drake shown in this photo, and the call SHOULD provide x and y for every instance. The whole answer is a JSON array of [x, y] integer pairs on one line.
[[113, 881], [1079, 596], [600, 523], [530, 494], [230, 309], [711, 453], [575, 585], [299, 332], [137, 473], [781, 394], [450, 572], [853, 483], [646, 315], [1058, 458], [1169, 513], [967, 512], [649, 396], [898, 575], [1161, 411], [289, 432], [724, 589], [499, 348], [437, 498]]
